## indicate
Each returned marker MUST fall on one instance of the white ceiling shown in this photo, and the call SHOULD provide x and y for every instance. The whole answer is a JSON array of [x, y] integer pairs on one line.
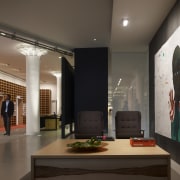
[[73, 24]]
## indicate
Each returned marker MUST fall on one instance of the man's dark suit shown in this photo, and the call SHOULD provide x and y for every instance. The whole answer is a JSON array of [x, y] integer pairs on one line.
[[7, 115]]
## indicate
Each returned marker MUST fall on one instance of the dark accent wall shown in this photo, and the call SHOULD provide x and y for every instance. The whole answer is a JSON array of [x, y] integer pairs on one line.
[[171, 23], [91, 80], [67, 95]]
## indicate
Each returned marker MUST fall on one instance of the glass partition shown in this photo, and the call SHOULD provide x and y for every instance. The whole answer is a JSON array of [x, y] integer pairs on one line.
[[128, 87]]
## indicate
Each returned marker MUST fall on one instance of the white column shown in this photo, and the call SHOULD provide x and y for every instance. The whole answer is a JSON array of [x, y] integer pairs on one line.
[[58, 87], [33, 55]]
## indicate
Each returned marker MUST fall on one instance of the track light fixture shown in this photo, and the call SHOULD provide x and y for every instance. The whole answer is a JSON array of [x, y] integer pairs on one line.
[[35, 43]]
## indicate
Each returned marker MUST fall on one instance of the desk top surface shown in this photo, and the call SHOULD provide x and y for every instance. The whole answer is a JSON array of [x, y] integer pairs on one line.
[[113, 149]]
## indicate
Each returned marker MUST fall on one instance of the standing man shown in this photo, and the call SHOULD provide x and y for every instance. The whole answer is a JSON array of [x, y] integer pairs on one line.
[[7, 110]]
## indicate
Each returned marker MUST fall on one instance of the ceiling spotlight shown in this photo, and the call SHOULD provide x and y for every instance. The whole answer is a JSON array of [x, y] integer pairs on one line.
[[3, 34], [4, 64], [94, 39], [60, 57], [57, 74], [15, 69], [119, 81], [125, 22]]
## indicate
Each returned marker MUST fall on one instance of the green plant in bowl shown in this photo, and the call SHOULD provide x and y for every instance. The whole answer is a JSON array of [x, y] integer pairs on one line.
[[89, 144]]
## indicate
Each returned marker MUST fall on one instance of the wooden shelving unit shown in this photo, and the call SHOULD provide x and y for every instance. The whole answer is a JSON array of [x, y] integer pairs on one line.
[[17, 90], [45, 101], [14, 90]]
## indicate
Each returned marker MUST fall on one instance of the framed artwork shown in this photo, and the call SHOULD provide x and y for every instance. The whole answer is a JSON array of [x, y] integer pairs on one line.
[[167, 88]]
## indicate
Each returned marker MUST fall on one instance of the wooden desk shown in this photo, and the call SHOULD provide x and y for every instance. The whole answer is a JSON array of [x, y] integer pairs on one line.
[[51, 124], [116, 160]]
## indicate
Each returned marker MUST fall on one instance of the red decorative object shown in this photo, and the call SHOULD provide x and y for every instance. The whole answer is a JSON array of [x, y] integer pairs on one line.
[[136, 142]]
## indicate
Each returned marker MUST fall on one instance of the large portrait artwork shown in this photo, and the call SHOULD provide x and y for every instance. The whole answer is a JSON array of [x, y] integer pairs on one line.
[[167, 88]]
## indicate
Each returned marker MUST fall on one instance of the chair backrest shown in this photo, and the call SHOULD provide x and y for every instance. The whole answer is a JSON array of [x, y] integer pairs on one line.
[[128, 124], [89, 124]]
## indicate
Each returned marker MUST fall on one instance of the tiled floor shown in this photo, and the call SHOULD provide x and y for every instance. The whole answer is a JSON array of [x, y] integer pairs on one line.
[[16, 150]]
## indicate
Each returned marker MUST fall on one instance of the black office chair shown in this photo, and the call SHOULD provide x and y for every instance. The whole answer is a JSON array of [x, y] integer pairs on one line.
[[89, 124], [128, 124]]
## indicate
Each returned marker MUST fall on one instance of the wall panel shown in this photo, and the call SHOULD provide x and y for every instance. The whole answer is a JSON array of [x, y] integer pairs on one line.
[[91, 80]]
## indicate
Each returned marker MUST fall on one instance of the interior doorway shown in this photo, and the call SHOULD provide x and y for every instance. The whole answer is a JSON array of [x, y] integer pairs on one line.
[[19, 110]]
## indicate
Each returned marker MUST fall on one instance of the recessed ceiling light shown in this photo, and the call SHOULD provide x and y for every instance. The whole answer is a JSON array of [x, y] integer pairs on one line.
[[43, 82], [94, 39], [60, 57], [57, 74], [125, 22], [15, 69], [119, 81], [4, 64]]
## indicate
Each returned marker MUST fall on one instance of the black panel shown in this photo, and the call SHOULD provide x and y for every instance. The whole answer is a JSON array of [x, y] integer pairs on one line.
[[171, 23], [91, 80], [173, 147], [67, 84]]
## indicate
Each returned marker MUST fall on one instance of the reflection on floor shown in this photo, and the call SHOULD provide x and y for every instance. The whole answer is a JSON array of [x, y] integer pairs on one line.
[[16, 150], [14, 127]]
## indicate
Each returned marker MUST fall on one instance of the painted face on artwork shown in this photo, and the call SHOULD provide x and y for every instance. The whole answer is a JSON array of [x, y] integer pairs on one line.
[[176, 73]]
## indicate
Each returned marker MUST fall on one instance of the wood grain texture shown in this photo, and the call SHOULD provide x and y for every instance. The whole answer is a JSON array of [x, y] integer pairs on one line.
[[155, 171]]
